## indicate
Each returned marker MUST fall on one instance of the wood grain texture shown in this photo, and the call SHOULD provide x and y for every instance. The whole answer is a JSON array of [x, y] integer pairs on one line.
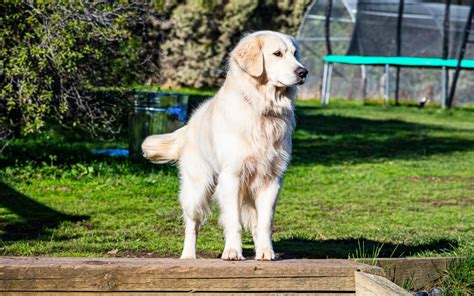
[[174, 275], [374, 285], [419, 272], [174, 294]]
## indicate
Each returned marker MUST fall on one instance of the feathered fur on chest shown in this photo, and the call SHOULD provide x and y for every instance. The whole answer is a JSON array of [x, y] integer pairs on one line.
[[269, 144]]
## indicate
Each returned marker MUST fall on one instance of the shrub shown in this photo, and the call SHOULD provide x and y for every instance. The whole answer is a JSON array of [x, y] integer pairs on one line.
[[196, 36], [52, 56]]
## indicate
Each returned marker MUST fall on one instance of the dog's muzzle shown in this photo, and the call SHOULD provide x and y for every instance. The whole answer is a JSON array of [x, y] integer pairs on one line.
[[301, 72]]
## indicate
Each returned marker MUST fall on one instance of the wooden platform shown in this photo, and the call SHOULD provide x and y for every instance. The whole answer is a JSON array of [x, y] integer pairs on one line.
[[56, 275], [420, 273]]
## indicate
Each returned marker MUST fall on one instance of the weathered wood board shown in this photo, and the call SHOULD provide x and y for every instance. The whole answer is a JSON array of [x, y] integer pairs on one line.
[[43, 274], [417, 272], [374, 285], [176, 293]]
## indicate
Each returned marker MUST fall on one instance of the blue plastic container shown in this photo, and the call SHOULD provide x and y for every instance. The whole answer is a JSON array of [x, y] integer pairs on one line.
[[155, 113]]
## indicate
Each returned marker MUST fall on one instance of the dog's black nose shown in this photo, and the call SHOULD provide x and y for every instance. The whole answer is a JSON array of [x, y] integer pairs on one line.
[[301, 72]]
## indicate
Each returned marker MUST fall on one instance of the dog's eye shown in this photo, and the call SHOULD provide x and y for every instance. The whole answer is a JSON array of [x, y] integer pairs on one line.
[[278, 54]]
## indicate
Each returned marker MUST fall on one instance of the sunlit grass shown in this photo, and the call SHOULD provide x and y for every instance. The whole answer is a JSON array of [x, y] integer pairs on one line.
[[401, 178]]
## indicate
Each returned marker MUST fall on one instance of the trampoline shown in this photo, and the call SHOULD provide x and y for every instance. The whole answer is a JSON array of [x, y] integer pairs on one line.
[[390, 33]]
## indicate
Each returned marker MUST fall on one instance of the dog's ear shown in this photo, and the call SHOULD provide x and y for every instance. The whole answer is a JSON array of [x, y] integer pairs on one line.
[[249, 57]]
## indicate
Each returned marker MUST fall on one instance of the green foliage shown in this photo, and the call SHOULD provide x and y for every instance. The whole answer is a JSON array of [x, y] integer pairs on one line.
[[195, 37], [370, 255], [52, 54], [458, 279]]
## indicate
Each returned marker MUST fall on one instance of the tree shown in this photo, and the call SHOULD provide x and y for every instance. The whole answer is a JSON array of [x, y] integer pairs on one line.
[[194, 37], [52, 55]]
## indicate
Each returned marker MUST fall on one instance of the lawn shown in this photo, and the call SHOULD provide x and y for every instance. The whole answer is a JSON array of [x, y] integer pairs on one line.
[[399, 178]]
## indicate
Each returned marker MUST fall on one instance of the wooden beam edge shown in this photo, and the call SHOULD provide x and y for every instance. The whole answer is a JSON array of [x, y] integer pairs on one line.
[[373, 285]]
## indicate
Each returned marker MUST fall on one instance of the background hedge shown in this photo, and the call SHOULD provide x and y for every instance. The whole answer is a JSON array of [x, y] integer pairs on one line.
[[190, 40], [54, 55]]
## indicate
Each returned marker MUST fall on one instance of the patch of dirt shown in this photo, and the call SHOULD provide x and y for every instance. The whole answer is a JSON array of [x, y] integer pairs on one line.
[[464, 201], [150, 254], [133, 254], [56, 188], [441, 179], [86, 224], [324, 207]]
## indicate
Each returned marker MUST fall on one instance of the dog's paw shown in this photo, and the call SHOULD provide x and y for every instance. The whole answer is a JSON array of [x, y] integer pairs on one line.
[[265, 255], [232, 255], [188, 256]]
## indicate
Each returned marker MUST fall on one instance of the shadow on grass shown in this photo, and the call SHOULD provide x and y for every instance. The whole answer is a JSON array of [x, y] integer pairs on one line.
[[64, 151], [334, 139], [345, 248], [320, 138], [36, 219]]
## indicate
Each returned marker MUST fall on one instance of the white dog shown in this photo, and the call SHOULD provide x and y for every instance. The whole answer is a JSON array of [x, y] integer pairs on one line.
[[237, 145]]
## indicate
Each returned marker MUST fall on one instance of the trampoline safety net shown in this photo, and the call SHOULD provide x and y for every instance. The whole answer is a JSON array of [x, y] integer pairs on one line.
[[369, 28]]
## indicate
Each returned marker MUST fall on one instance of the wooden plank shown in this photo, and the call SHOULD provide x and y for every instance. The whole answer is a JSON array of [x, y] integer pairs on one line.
[[174, 275], [374, 285], [170, 294], [419, 273]]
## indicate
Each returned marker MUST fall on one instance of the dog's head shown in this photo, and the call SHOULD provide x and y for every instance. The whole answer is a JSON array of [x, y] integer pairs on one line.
[[272, 55]]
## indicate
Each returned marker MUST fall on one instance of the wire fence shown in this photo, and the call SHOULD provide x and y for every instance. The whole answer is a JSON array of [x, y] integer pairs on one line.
[[366, 27]]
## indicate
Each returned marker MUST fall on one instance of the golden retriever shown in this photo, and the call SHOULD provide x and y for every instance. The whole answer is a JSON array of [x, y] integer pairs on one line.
[[237, 145]]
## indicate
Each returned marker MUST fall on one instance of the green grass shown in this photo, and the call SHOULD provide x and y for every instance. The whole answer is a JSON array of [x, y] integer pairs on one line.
[[401, 178], [458, 279]]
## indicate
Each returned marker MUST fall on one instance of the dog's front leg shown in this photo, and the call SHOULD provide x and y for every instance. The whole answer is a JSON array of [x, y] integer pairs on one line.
[[265, 203], [227, 192]]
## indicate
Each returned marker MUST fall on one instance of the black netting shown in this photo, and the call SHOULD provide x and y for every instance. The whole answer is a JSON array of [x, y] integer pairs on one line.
[[369, 27], [422, 29]]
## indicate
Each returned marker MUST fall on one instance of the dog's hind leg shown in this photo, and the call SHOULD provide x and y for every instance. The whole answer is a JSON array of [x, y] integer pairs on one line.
[[249, 216], [194, 198]]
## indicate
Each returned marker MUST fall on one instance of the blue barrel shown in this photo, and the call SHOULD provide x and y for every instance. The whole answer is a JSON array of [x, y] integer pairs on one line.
[[155, 113]]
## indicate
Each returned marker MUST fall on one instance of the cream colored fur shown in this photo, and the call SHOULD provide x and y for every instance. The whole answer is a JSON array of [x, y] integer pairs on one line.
[[237, 145]]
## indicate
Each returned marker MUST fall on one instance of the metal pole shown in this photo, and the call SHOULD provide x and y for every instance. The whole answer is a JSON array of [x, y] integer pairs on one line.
[[462, 51], [324, 84], [446, 30], [328, 90], [401, 7], [387, 84], [397, 85], [444, 71], [444, 88], [363, 70], [327, 27]]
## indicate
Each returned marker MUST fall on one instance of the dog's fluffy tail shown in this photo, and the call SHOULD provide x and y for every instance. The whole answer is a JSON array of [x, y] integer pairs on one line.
[[164, 148]]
